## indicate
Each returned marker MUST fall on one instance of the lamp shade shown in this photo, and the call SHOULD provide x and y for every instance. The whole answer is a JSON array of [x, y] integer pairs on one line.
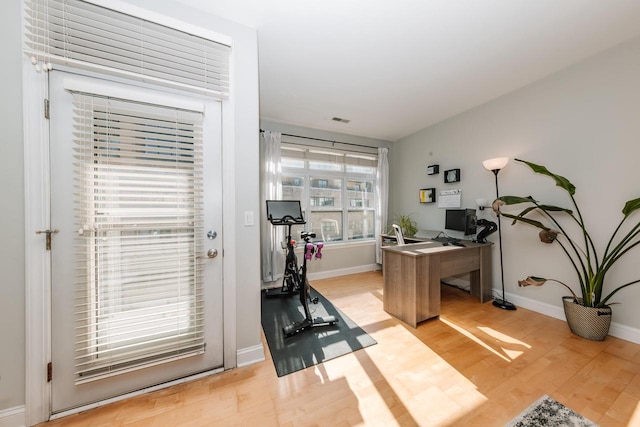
[[495, 163]]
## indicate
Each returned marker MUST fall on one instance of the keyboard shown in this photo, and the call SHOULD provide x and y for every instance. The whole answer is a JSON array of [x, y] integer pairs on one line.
[[443, 239]]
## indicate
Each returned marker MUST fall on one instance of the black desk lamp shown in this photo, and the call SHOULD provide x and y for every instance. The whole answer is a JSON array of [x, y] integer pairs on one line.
[[494, 165]]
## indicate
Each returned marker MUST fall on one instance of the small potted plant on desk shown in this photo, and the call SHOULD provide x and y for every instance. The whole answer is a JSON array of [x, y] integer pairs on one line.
[[588, 314], [408, 225]]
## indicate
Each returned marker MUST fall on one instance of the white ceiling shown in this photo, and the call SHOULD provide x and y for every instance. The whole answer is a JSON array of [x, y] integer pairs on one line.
[[395, 67]]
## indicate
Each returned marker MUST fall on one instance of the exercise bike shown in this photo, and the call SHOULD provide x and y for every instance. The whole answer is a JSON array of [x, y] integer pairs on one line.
[[289, 213], [278, 213]]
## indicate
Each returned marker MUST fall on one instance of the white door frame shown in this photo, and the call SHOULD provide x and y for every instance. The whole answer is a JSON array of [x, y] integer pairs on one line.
[[37, 260]]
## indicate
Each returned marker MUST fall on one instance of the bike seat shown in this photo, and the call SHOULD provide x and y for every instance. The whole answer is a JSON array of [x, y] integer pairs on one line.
[[306, 234]]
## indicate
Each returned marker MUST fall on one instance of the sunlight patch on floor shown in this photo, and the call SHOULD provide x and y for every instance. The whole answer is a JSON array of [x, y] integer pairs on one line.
[[408, 381], [508, 342], [635, 418], [478, 341]]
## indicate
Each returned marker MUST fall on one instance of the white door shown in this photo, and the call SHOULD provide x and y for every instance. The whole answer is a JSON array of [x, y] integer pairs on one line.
[[136, 283]]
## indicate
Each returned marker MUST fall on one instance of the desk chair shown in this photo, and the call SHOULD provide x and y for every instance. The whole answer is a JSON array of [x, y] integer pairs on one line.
[[399, 235]]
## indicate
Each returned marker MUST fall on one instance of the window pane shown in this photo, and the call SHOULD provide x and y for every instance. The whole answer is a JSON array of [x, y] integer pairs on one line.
[[326, 166], [292, 163], [360, 194], [327, 225], [293, 189], [325, 194], [361, 224], [368, 170], [138, 204]]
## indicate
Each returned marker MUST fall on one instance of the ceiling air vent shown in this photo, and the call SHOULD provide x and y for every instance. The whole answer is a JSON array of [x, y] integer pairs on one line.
[[340, 119]]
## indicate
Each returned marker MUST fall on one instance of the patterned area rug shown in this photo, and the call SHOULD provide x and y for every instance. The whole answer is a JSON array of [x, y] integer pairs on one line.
[[547, 412]]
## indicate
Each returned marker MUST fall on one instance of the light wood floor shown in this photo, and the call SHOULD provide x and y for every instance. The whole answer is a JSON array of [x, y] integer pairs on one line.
[[474, 366]]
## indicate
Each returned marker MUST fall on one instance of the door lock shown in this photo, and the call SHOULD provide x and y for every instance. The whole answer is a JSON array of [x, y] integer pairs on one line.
[[212, 253], [48, 233]]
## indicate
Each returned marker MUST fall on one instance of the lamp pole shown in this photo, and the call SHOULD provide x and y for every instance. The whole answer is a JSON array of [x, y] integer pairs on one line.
[[494, 165], [503, 303]]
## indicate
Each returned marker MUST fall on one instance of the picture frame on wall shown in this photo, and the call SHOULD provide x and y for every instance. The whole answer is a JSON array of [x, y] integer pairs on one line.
[[452, 175], [427, 195], [433, 169]]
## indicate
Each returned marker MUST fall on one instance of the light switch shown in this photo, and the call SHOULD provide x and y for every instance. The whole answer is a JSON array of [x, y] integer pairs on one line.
[[248, 218]]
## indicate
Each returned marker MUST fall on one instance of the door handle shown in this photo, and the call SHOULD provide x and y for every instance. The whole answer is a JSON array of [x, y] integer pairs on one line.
[[211, 253]]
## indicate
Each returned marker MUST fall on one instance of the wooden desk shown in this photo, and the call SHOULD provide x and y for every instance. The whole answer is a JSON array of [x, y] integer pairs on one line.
[[391, 239], [412, 276]]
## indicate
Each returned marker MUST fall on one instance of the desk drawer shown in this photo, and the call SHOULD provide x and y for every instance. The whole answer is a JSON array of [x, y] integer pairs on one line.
[[458, 262]]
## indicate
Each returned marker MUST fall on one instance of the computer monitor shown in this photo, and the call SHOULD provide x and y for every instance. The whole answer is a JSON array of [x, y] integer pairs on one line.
[[461, 220]]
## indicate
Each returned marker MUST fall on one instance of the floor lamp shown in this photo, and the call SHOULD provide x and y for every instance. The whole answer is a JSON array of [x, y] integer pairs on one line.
[[494, 165]]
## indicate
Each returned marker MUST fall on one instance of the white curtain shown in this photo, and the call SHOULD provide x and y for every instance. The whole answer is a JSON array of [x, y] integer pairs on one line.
[[382, 198], [271, 189]]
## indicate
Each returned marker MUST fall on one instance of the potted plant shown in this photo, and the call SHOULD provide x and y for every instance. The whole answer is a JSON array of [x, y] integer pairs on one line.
[[588, 313], [408, 225]]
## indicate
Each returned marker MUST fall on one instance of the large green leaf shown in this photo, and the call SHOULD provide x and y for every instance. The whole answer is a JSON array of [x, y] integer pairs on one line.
[[560, 180], [551, 208], [518, 218], [527, 210], [514, 200], [631, 206]]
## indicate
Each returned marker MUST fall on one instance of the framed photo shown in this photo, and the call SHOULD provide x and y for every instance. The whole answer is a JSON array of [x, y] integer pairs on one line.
[[427, 195], [452, 175], [433, 169]]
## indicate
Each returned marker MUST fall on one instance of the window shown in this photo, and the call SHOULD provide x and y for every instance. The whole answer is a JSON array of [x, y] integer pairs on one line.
[[336, 189], [87, 36], [138, 204]]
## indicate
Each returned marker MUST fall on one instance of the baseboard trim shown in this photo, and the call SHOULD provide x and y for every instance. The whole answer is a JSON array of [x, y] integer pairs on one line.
[[343, 271], [250, 355], [617, 330], [13, 417]]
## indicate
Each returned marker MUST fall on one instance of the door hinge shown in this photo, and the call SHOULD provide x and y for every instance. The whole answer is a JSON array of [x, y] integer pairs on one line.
[[49, 372], [47, 105]]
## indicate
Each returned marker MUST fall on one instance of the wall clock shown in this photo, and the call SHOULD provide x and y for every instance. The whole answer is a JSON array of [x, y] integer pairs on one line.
[[452, 175]]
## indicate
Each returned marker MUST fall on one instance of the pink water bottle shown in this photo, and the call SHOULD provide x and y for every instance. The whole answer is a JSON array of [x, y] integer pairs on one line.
[[319, 247]]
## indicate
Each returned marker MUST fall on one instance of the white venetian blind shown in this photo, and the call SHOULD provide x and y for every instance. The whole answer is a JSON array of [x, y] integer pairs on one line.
[[294, 151], [87, 36], [138, 207]]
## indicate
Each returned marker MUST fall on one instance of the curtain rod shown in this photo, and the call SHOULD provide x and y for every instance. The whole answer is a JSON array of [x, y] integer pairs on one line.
[[326, 140]]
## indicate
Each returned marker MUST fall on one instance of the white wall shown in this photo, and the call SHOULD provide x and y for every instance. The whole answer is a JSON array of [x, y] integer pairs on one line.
[[12, 260], [581, 123]]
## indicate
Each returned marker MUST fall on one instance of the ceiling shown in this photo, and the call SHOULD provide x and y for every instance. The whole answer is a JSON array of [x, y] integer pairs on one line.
[[395, 67]]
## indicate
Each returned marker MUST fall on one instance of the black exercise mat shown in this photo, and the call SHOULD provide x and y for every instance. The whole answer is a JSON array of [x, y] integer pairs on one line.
[[312, 346]]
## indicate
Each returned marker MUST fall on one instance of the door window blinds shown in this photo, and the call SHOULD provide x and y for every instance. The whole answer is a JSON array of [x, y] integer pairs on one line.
[[138, 206], [87, 36]]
